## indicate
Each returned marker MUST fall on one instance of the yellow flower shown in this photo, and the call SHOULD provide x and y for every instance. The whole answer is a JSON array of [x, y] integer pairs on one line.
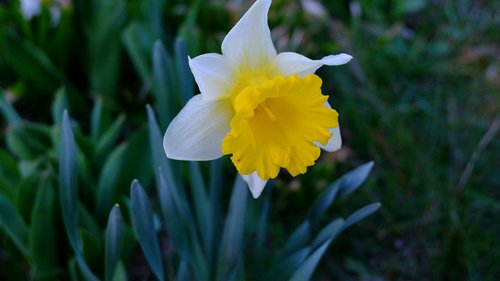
[[263, 108]]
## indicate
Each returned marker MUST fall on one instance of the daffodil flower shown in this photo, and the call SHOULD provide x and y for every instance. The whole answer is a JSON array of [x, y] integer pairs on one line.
[[264, 109]]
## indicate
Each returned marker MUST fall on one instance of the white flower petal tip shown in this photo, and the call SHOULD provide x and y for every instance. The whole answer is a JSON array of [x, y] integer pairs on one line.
[[334, 143], [289, 63], [255, 183], [212, 73], [196, 133], [249, 42], [336, 59]]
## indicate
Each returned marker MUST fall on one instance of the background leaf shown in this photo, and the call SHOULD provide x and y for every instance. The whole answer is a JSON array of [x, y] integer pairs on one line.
[[232, 237], [44, 235], [13, 225], [142, 218], [114, 240], [68, 188]]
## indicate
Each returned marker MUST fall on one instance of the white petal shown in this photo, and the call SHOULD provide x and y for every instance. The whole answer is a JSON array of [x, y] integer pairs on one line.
[[213, 74], [196, 133], [255, 183], [249, 42], [334, 143], [289, 63]]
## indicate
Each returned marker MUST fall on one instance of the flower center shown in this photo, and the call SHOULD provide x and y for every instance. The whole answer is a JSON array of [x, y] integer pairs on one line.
[[275, 125]]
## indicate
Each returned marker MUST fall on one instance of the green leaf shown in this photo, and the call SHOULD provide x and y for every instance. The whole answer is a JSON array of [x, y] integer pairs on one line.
[[43, 235], [13, 225], [84, 268], [284, 268], [31, 62], [330, 231], [188, 26], [162, 84], [342, 187], [108, 181], [305, 271], [105, 143], [238, 272], [185, 77], [215, 190], [201, 203], [354, 179], [232, 238], [298, 239], [10, 114], [88, 224], [59, 105], [181, 229], [138, 41], [9, 175], [118, 171], [27, 190], [156, 143], [68, 192], [361, 214], [152, 13], [24, 144], [120, 273], [114, 242], [171, 187], [68, 188], [262, 225], [142, 218], [174, 206], [73, 272], [172, 214], [183, 272], [97, 122], [104, 37]]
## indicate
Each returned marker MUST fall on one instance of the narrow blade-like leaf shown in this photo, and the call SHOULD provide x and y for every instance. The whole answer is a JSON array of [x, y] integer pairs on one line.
[[183, 70], [68, 188], [43, 235], [201, 203], [361, 214], [298, 239], [8, 111], [114, 240], [169, 176], [232, 238], [306, 269], [354, 179], [142, 218], [138, 41], [68, 192], [59, 104], [13, 225], [344, 186], [162, 84], [108, 181], [330, 231], [108, 139], [283, 269]]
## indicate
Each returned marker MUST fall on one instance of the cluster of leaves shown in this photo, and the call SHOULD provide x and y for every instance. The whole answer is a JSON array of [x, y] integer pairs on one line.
[[201, 250], [29, 176]]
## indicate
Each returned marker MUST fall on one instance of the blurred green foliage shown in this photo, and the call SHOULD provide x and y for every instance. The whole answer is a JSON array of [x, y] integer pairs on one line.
[[420, 98]]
